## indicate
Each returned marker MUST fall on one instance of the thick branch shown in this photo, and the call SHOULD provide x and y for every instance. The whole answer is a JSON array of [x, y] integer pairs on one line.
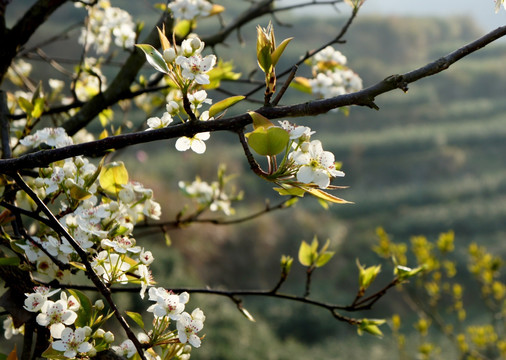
[[15, 38], [364, 97]]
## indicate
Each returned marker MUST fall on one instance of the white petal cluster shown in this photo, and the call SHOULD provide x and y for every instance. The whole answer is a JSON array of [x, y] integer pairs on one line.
[[106, 22], [54, 137], [190, 9], [208, 195], [331, 76]]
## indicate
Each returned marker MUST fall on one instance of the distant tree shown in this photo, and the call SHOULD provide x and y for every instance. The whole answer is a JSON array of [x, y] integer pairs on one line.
[[68, 210]]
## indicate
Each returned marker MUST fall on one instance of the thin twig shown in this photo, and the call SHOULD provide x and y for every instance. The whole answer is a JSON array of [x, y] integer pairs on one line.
[[285, 86]]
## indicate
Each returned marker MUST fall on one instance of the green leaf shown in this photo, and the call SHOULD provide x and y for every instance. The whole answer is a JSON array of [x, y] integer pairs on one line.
[[112, 177], [105, 117], [371, 326], [306, 254], [78, 265], [264, 59], [83, 314], [79, 193], [326, 196], [12, 261], [268, 142], [302, 84], [367, 275], [279, 50], [38, 107], [290, 191], [260, 120], [324, 258], [224, 104], [136, 317], [154, 58], [25, 105], [183, 28], [51, 353]]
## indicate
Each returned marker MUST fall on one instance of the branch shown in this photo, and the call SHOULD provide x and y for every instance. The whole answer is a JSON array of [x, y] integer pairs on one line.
[[15, 38], [364, 97]]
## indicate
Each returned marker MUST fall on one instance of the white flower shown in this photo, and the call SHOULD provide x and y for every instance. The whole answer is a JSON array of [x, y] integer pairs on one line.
[[296, 131], [121, 244], [72, 303], [195, 67], [56, 315], [198, 98], [55, 137], [321, 84], [159, 123], [146, 257], [167, 304], [35, 301], [317, 165], [10, 330], [72, 342], [111, 267], [127, 348], [189, 325], [152, 209], [196, 143], [329, 54]]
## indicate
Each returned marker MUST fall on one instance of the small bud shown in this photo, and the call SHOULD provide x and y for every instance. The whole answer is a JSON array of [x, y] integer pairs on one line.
[[196, 43], [39, 182], [169, 55], [113, 206], [304, 147], [87, 331], [92, 352], [69, 183], [99, 333], [99, 304], [79, 161], [109, 337]]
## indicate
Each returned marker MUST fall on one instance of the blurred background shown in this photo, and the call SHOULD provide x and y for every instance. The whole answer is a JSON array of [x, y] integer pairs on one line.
[[428, 161]]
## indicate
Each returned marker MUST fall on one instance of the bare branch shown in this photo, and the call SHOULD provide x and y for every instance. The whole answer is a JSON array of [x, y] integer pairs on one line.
[[364, 97]]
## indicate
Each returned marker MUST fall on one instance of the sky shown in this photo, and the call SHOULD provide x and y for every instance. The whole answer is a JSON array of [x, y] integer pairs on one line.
[[483, 11]]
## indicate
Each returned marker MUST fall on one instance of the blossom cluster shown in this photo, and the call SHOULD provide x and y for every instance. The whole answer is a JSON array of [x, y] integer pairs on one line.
[[104, 23], [188, 69], [310, 163], [209, 195], [331, 75], [190, 9], [59, 317]]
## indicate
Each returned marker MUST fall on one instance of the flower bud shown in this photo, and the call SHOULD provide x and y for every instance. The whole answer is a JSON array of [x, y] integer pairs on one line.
[[39, 182], [109, 337], [99, 304], [87, 331], [169, 55], [304, 147], [69, 183], [99, 333], [113, 206], [92, 352], [79, 161], [195, 43]]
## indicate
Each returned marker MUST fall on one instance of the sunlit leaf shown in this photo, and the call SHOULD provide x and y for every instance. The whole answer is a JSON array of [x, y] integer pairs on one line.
[[216, 9], [112, 177], [183, 28], [224, 104], [163, 39], [264, 59], [83, 314], [279, 50], [25, 105], [306, 254], [79, 193], [324, 258], [38, 107], [326, 196], [154, 58], [268, 142], [260, 120], [291, 191], [136, 317]]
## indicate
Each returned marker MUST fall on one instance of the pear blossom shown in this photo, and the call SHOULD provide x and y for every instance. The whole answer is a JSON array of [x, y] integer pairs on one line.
[[167, 304], [35, 301], [189, 325], [196, 143], [127, 349], [10, 330], [195, 67], [146, 257], [159, 123], [121, 244], [111, 267], [56, 315], [54, 137], [317, 165], [190, 9], [296, 131], [72, 342]]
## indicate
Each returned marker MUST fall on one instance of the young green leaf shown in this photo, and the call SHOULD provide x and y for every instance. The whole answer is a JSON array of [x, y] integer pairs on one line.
[[224, 104], [279, 50], [306, 255], [260, 120], [112, 177], [268, 142], [136, 317], [154, 58], [324, 258]]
